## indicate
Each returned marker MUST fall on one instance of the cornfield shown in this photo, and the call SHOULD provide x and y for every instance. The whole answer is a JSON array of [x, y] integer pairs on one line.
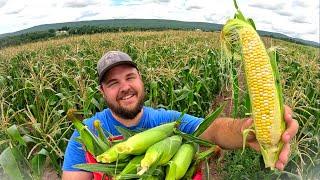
[[182, 70]]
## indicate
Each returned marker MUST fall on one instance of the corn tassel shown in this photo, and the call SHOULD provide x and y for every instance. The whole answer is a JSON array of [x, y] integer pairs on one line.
[[181, 161], [239, 36], [140, 142], [160, 153]]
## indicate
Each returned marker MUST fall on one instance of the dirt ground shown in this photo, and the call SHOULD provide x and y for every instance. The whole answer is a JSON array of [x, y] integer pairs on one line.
[[50, 174]]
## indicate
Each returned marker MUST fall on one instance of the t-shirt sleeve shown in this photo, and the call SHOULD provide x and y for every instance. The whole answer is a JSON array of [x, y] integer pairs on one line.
[[74, 154], [188, 124]]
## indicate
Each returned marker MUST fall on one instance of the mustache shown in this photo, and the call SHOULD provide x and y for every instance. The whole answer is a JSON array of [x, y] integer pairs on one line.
[[126, 93]]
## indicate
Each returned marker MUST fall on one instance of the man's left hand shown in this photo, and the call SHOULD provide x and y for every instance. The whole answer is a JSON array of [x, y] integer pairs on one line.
[[288, 134], [292, 129]]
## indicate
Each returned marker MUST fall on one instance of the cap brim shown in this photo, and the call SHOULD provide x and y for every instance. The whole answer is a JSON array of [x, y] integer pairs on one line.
[[103, 72]]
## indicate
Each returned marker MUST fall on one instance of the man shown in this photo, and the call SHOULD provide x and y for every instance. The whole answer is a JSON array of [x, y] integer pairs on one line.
[[122, 87]]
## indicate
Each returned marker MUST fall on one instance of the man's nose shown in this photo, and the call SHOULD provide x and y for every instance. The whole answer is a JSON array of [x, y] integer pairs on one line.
[[125, 86]]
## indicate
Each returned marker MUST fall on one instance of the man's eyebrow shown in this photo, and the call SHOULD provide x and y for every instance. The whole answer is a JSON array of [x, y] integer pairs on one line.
[[130, 74], [110, 80]]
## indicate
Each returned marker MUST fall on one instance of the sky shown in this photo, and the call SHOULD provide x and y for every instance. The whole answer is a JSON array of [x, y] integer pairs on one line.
[[294, 18]]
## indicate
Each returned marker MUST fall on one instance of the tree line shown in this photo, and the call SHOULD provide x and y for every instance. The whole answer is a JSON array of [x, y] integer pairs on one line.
[[66, 31]]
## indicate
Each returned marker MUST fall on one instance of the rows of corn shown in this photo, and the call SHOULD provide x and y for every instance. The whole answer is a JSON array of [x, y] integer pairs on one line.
[[162, 152], [41, 81]]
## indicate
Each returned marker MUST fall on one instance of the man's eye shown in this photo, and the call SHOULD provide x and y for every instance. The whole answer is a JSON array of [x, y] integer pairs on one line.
[[130, 78], [112, 84]]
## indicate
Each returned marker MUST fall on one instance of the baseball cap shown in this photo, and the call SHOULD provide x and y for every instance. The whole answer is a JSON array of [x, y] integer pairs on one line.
[[112, 59]]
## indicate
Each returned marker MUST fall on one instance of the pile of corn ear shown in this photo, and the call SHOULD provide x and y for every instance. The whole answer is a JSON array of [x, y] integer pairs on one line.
[[162, 152]]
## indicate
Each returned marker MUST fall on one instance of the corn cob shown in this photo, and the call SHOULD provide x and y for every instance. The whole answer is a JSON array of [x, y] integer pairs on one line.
[[181, 161], [160, 153], [140, 142], [239, 36]]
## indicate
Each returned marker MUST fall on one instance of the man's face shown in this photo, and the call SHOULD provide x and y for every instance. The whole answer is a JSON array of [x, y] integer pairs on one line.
[[123, 91]]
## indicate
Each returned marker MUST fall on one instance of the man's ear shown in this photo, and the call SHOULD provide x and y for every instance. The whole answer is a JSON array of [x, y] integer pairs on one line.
[[101, 88]]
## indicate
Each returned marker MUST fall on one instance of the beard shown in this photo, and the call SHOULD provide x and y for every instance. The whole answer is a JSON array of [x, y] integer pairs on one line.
[[126, 113]]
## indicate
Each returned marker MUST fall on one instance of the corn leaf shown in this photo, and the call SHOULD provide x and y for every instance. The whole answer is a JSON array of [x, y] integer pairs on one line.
[[208, 120], [10, 165], [38, 164], [14, 134]]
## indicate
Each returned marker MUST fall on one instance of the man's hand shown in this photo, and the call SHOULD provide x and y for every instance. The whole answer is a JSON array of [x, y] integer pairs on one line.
[[292, 129], [289, 133]]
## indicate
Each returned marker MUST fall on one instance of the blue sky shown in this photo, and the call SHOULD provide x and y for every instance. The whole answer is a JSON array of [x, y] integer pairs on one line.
[[295, 18]]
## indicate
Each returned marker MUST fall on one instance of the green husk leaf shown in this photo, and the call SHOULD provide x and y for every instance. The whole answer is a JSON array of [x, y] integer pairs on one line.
[[104, 168], [101, 135], [235, 89], [194, 139], [126, 133], [208, 120]]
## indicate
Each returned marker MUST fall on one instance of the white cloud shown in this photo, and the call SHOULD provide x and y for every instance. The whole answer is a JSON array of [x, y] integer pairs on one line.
[[13, 7], [79, 3], [2, 3], [297, 18], [270, 5]]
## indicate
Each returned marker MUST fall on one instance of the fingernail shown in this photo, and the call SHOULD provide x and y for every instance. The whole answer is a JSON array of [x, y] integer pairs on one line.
[[281, 166]]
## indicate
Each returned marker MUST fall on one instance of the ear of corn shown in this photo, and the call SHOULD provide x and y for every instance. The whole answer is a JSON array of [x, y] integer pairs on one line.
[[140, 142], [180, 162], [171, 171], [131, 167], [92, 144], [160, 153], [239, 37], [101, 134], [111, 155]]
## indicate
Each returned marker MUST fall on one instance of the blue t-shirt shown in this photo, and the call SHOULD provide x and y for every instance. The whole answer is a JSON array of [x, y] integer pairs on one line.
[[74, 153]]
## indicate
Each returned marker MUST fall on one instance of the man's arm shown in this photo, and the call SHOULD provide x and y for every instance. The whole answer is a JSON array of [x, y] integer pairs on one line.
[[227, 133], [76, 175], [74, 154]]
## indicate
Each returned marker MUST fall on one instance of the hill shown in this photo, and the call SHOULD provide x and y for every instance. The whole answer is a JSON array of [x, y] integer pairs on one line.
[[134, 24]]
